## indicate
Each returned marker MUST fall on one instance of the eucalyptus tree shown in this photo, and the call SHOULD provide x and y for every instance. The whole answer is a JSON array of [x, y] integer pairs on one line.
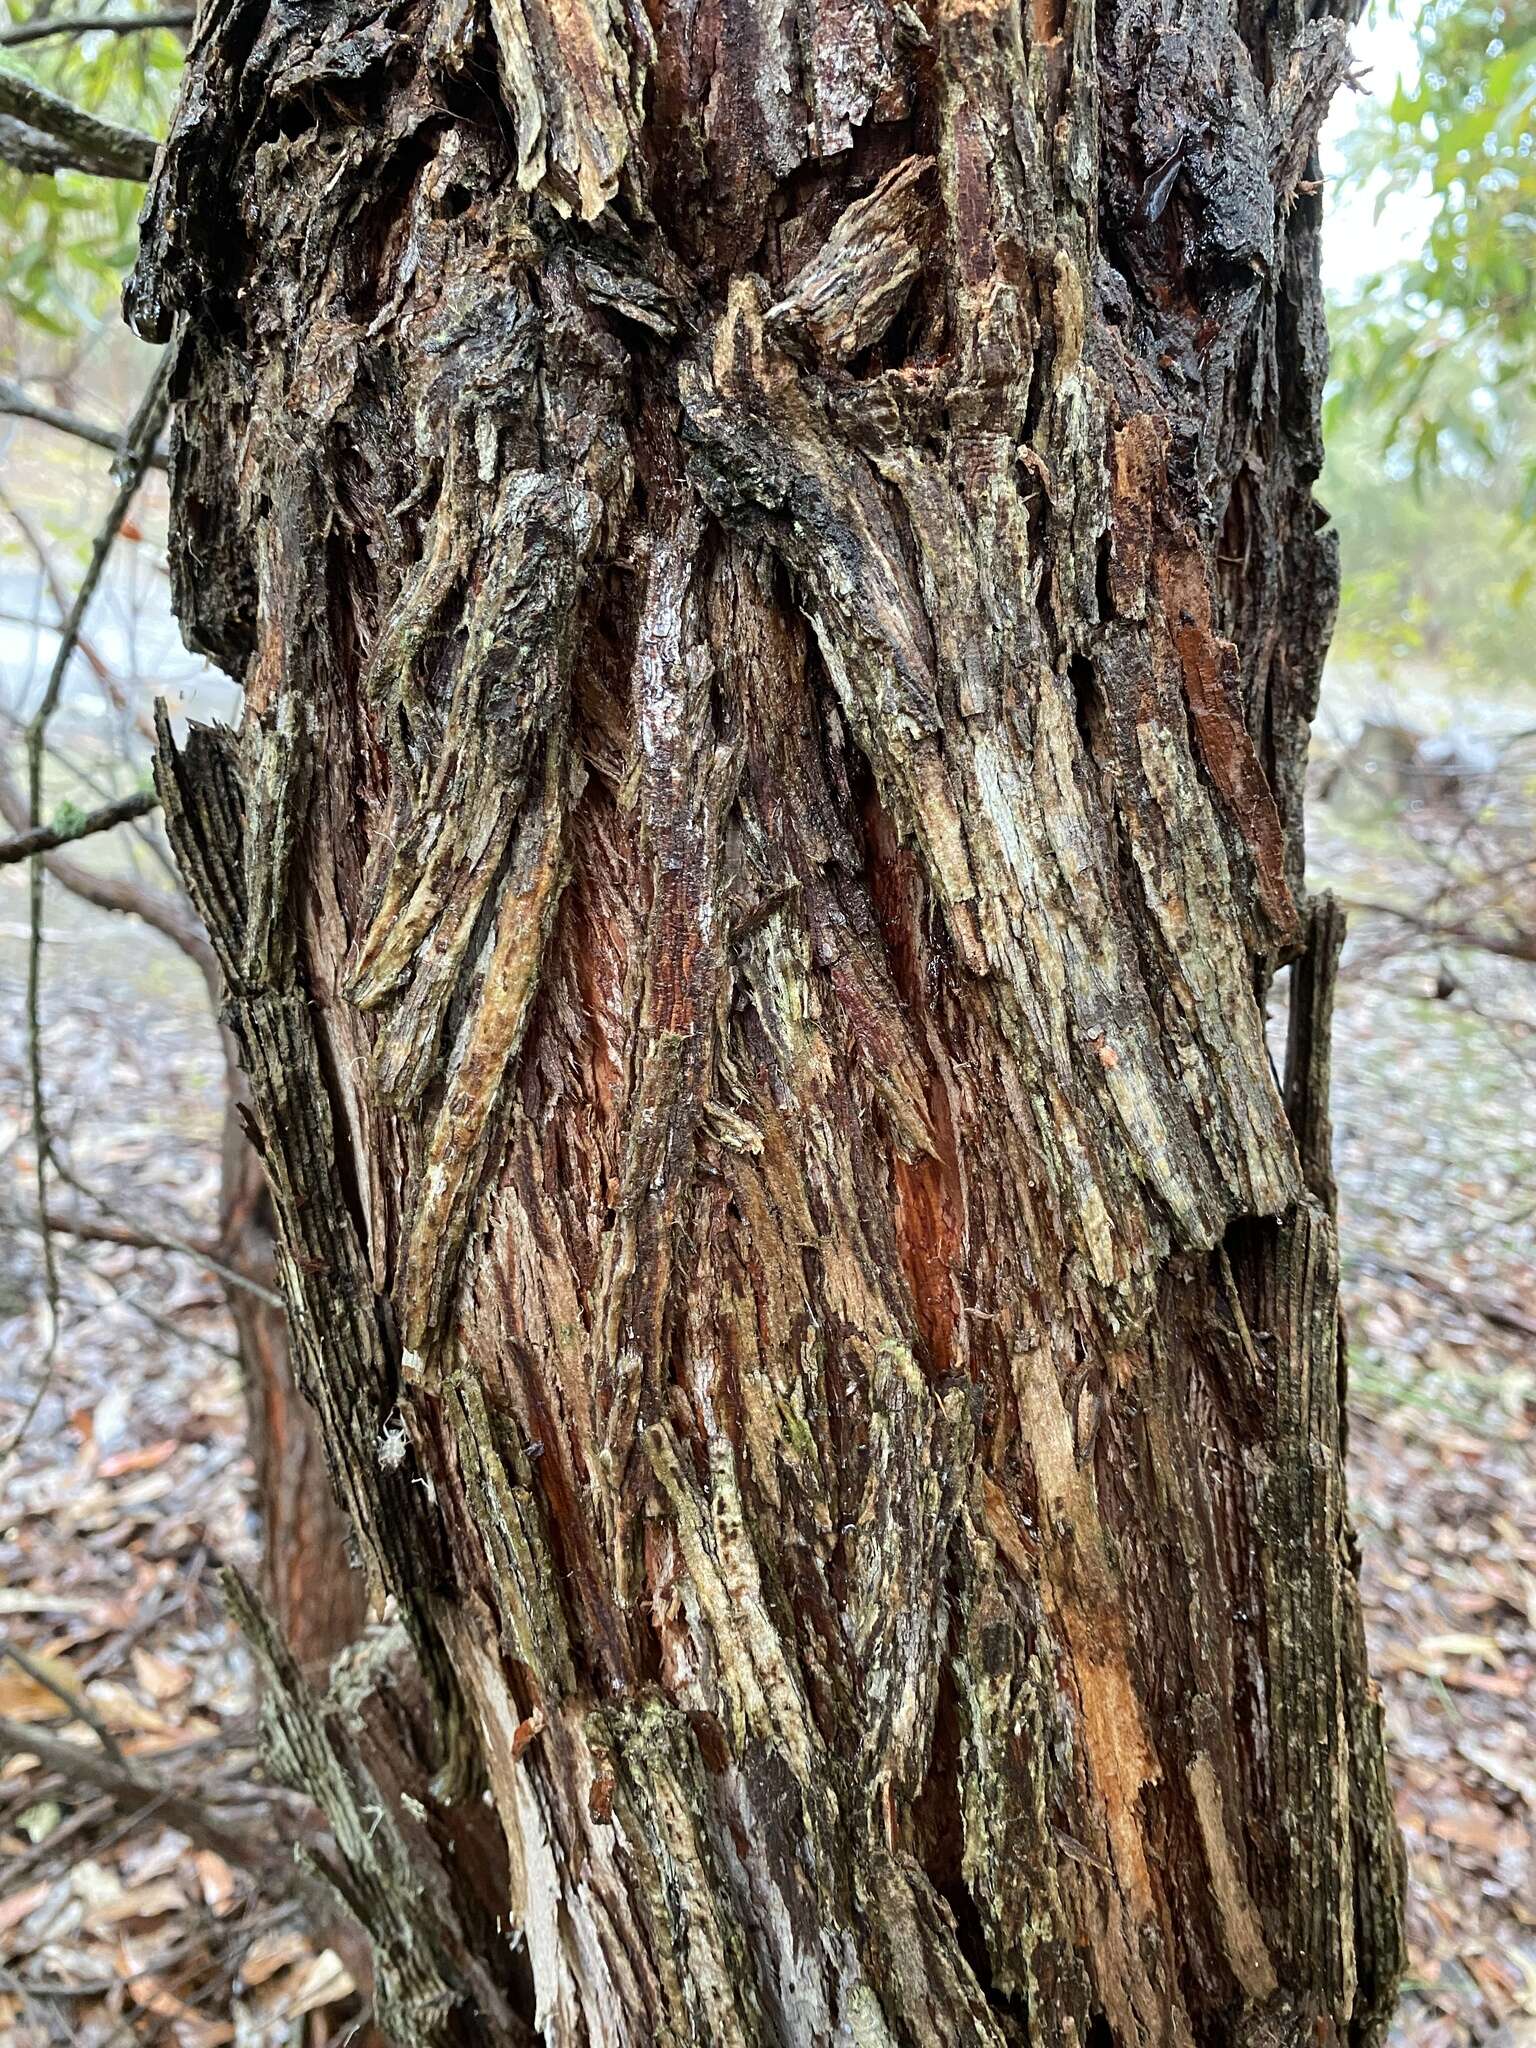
[[772, 562]]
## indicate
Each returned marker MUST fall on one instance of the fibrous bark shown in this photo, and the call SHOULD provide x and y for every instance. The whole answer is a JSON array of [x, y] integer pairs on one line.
[[305, 1575], [772, 559]]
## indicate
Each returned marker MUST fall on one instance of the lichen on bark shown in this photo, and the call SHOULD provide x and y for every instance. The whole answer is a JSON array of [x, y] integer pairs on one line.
[[772, 560]]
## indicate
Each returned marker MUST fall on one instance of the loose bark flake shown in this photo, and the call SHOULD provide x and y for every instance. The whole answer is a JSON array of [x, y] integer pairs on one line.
[[772, 559]]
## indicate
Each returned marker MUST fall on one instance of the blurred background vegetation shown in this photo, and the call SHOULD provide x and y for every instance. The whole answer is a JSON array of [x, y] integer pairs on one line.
[[70, 238], [1432, 463]]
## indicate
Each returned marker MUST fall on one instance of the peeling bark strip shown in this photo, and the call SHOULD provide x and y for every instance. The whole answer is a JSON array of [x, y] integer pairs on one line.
[[772, 559], [385, 1875]]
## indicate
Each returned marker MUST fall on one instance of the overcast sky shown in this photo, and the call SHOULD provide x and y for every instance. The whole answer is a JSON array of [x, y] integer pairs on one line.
[[1355, 242]]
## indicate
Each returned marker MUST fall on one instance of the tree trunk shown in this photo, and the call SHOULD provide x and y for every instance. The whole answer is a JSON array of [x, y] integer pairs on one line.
[[772, 559]]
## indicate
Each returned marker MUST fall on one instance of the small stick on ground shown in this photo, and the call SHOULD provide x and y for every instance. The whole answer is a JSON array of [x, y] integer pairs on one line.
[[76, 1702]]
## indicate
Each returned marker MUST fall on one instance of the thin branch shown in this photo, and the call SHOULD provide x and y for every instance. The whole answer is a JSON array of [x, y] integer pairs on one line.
[[19, 1869], [140, 439], [31, 623], [166, 914], [1517, 948], [1504, 1315], [113, 690], [136, 1791], [29, 150], [19, 405], [48, 838], [167, 1328], [43, 132], [43, 26], [88, 1987], [37, 547], [20, 1433], [92, 1231], [105, 1230]]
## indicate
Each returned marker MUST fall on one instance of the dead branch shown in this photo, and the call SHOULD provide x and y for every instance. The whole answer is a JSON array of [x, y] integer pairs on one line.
[[50, 575], [94, 1230], [119, 893], [1519, 947], [42, 132], [135, 1790], [20, 405], [47, 838], [130, 469], [92, 25], [1503, 1315], [76, 1703]]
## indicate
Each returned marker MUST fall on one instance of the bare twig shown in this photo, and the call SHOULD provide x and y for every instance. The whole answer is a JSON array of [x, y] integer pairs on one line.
[[93, 1231], [43, 132], [154, 1613], [48, 838], [42, 26], [1504, 1315], [15, 401], [76, 1703], [123, 1297], [1519, 947], [166, 914], [134, 1790], [100, 1230], [29, 150], [28, 1987], [20, 1868], [104, 792], [170, 1329], [141, 437]]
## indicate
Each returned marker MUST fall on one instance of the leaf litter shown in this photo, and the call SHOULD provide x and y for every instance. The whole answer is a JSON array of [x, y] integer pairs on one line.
[[130, 1489]]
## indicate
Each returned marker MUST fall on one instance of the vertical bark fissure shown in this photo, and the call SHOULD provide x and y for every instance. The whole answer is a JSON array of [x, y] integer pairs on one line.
[[762, 807]]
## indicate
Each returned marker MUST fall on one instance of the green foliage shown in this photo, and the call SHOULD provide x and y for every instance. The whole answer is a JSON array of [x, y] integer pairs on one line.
[[66, 240], [1432, 461], [1441, 348], [1442, 577]]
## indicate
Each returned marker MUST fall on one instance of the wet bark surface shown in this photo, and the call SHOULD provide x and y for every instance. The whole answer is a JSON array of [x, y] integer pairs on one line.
[[772, 559]]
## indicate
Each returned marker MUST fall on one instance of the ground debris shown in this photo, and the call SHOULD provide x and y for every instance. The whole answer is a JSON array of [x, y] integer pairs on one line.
[[129, 1489]]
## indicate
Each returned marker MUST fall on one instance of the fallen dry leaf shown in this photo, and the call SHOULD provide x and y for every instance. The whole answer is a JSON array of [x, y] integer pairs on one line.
[[1463, 1646], [142, 1902], [24, 1697], [269, 1953], [1504, 1770], [323, 1980], [148, 1991], [161, 1677], [146, 1459], [20, 1905], [1469, 1829], [216, 1881]]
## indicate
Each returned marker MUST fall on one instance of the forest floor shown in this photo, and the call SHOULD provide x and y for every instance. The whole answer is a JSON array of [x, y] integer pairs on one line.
[[131, 1488]]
